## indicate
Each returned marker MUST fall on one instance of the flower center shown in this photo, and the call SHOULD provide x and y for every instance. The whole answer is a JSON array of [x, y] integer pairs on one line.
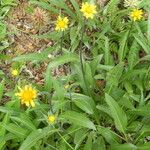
[[27, 95], [61, 24], [88, 10]]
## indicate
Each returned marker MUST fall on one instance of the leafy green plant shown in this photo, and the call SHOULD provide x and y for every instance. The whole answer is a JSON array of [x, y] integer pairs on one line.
[[103, 102]]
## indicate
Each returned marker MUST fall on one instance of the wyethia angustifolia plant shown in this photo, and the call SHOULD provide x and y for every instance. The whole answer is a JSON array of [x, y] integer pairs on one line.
[[93, 92]]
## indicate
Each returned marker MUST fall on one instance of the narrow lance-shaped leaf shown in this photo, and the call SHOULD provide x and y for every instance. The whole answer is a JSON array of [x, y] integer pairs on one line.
[[117, 113], [34, 56], [1, 89]]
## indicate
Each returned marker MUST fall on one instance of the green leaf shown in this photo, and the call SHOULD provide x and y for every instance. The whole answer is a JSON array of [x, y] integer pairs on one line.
[[61, 4], [123, 45], [45, 6], [133, 55], [83, 102], [148, 27], [34, 137], [89, 143], [35, 56], [107, 52], [24, 119], [1, 89], [145, 146], [2, 30], [78, 119], [99, 143], [5, 121], [76, 7], [142, 43], [69, 57], [111, 6], [117, 113], [127, 146], [15, 129], [110, 136], [79, 137], [114, 75]]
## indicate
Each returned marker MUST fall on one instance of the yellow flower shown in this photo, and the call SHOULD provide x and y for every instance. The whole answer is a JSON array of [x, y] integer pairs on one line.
[[66, 86], [14, 72], [61, 23], [51, 119], [88, 10], [27, 95], [136, 14]]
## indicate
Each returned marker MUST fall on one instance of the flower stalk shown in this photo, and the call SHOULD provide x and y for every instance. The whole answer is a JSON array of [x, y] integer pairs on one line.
[[61, 43], [81, 56]]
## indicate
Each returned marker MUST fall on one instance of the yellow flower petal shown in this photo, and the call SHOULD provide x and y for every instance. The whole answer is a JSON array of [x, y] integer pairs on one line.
[[136, 14], [51, 119], [61, 23], [88, 10], [27, 95], [32, 103], [14, 72]]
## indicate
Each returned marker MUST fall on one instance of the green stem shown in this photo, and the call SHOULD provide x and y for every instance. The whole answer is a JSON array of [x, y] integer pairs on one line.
[[81, 56], [64, 140], [61, 43]]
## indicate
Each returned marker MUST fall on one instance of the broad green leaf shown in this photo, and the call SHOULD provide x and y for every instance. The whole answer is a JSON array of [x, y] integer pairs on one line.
[[145, 146], [117, 113], [34, 56], [34, 137], [89, 143], [142, 43], [142, 111], [110, 136], [68, 57], [114, 75], [126, 146], [104, 109], [24, 119], [15, 129], [83, 102], [79, 137], [78, 119], [8, 110], [5, 121], [99, 143]]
